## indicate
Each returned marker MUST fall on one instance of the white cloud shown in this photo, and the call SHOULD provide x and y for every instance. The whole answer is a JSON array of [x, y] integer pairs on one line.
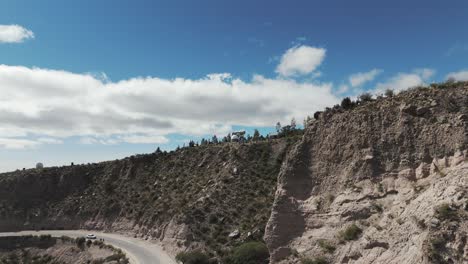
[[52, 104], [458, 76], [46, 140], [14, 34], [24, 143], [300, 60], [403, 81], [360, 78], [144, 139], [342, 89], [425, 73], [15, 143]]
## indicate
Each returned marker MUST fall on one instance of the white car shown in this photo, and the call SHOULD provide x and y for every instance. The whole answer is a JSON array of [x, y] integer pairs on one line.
[[90, 236]]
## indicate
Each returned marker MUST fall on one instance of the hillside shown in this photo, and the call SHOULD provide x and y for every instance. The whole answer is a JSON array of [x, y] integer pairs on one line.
[[51, 250], [378, 181], [193, 197], [383, 182]]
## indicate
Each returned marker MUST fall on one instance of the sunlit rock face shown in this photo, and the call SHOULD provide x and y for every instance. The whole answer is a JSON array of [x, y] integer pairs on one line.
[[384, 166]]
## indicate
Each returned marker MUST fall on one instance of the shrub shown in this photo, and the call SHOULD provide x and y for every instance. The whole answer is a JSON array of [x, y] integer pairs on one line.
[[250, 253], [119, 257], [45, 237], [193, 257], [80, 242], [352, 232], [346, 103], [436, 247], [365, 97], [319, 260], [377, 207], [317, 114], [445, 212], [326, 245], [389, 93], [380, 187]]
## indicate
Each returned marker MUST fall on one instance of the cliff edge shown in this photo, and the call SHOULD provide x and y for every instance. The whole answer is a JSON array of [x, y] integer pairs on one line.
[[383, 182]]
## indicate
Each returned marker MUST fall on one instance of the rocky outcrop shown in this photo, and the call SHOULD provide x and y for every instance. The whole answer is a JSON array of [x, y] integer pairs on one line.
[[383, 166]]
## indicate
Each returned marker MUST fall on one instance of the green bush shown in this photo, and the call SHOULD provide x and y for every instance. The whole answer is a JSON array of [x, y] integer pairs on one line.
[[326, 245], [45, 237], [319, 260], [352, 232], [119, 258], [445, 212], [80, 242], [249, 253], [389, 93], [193, 257], [365, 97], [436, 247], [346, 103]]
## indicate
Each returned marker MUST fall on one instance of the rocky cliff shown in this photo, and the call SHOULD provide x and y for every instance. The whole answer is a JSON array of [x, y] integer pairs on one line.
[[384, 182]]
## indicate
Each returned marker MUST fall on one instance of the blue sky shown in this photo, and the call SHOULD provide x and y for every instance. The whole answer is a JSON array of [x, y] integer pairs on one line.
[[143, 66]]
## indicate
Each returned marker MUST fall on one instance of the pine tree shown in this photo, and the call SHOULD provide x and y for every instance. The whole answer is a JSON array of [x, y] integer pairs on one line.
[[256, 135], [346, 103]]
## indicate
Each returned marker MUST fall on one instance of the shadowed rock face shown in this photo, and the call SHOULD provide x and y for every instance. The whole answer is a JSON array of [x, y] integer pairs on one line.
[[354, 158]]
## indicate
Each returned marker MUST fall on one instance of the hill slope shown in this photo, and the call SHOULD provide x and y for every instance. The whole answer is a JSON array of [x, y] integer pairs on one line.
[[193, 197]]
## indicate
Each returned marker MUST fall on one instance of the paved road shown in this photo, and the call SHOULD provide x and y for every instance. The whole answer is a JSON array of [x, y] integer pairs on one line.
[[137, 250]]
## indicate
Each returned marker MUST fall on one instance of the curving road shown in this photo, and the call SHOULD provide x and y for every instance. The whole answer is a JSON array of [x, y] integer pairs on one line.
[[137, 250]]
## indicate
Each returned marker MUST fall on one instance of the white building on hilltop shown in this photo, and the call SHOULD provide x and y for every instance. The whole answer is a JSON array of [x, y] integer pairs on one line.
[[238, 136]]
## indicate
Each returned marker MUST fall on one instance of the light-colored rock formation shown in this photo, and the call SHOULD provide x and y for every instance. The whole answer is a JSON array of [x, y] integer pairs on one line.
[[384, 166]]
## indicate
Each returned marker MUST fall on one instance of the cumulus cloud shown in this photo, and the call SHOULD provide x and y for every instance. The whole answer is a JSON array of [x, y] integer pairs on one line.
[[53, 104], [425, 73], [300, 60], [360, 78], [403, 81], [14, 34], [458, 76], [46, 140]]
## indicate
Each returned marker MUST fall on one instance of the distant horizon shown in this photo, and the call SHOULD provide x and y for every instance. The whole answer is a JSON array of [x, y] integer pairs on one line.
[[94, 81]]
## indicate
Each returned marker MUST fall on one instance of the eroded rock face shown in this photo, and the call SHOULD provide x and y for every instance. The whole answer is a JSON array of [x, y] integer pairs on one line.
[[382, 166]]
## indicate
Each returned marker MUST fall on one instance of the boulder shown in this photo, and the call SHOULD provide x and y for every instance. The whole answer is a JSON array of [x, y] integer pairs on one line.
[[421, 111], [408, 174], [234, 234], [423, 170]]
